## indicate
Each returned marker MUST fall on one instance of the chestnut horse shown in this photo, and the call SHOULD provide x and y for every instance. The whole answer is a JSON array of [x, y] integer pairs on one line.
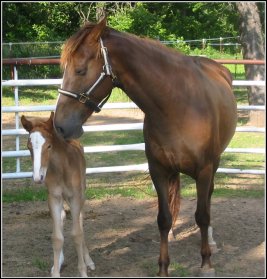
[[60, 165], [189, 107]]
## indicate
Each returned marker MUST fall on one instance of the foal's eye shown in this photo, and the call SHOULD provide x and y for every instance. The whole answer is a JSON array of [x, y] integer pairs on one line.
[[80, 72], [49, 146]]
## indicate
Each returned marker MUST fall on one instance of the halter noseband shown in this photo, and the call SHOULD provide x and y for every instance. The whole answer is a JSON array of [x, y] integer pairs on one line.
[[84, 97]]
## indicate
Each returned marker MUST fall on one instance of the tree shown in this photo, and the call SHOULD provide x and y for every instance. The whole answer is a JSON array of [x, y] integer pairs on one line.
[[252, 46]]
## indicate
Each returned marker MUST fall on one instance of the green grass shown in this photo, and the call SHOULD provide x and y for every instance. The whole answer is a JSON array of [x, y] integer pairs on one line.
[[238, 71], [25, 194], [41, 264], [138, 185], [177, 270]]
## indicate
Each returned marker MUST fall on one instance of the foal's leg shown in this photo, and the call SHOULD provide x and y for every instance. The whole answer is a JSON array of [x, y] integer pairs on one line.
[[58, 214], [88, 261], [76, 205], [205, 186]]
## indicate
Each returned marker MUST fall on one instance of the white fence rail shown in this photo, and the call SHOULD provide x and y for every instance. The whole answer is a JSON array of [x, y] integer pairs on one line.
[[114, 127], [38, 82]]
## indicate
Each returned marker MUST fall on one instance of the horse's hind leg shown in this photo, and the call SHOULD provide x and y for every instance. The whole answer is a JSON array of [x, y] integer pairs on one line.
[[205, 187]]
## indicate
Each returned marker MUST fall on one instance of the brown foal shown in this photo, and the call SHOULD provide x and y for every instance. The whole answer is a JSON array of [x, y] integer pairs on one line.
[[60, 165]]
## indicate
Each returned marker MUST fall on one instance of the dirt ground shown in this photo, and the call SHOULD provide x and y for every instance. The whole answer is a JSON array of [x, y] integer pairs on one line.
[[123, 239]]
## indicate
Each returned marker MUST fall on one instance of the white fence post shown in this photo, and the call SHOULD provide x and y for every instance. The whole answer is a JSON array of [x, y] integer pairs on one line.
[[16, 92]]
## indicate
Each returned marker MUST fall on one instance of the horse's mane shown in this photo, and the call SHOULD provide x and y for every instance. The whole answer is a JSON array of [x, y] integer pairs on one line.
[[72, 44]]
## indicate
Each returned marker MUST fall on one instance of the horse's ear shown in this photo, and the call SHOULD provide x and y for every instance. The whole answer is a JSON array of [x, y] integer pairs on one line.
[[98, 30], [26, 123]]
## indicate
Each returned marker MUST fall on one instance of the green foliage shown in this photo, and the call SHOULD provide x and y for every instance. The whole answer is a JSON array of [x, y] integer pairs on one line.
[[51, 21]]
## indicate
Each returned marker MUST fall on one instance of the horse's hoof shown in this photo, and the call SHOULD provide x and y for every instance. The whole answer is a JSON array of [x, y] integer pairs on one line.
[[162, 274], [207, 272]]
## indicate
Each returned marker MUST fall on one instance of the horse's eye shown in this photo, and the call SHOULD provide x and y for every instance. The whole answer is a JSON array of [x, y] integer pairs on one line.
[[80, 72], [49, 146]]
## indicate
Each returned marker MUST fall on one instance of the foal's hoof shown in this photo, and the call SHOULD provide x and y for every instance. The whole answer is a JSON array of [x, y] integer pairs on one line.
[[207, 272], [214, 249], [91, 266]]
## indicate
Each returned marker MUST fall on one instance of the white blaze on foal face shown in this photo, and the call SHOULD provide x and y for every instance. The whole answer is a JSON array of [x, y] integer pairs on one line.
[[37, 144]]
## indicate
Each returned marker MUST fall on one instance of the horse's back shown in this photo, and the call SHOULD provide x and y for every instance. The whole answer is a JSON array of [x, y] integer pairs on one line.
[[209, 65]]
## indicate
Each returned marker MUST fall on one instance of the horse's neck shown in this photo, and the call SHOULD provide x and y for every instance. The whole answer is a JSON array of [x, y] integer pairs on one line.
[[140, 69]]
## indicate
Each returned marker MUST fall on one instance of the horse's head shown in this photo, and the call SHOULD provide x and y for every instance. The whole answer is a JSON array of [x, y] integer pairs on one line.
[[39, 143], [87, 79]]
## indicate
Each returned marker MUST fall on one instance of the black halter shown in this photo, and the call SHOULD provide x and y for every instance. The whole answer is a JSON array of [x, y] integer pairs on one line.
[[84, 97]]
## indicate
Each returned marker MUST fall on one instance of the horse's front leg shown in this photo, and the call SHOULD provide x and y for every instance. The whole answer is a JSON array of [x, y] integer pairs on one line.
[[161, 181], [58, 214]]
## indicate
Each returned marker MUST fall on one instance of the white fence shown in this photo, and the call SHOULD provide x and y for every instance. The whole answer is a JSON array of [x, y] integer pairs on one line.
[[115, 127]]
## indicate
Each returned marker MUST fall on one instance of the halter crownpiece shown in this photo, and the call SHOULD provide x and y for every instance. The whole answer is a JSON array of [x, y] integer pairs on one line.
[[84, 97]]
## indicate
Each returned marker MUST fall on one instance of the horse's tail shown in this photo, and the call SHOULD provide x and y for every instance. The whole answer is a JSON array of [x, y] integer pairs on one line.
[[174, 197]]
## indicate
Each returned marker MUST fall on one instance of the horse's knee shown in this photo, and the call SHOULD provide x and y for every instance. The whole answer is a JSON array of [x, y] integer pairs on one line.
[[202, 218], [164, 221]]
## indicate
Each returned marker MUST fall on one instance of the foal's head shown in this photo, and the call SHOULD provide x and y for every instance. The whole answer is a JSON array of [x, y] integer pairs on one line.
[[39, 144]]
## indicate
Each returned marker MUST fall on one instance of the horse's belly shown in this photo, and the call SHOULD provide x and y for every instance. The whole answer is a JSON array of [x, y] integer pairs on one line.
[[177, 158]]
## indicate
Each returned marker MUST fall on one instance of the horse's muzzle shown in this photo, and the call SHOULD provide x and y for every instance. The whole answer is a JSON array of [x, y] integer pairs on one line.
[[69, 133]]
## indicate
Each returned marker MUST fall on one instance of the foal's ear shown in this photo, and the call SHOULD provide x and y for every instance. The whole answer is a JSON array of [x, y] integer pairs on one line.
[[98, 30], [26, 123], [50, 121]]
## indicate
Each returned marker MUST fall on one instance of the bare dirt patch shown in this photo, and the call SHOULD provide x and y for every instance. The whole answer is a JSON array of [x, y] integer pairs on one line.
[[123, 239]]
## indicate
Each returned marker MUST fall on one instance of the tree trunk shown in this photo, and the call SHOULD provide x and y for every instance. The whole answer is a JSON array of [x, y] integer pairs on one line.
[[252, 47]]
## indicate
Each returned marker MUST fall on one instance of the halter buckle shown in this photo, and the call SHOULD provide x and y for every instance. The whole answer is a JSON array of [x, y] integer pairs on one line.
[[83, 98]]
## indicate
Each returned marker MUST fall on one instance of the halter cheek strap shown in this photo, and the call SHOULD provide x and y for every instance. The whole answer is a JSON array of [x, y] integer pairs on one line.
[[84, 97]]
